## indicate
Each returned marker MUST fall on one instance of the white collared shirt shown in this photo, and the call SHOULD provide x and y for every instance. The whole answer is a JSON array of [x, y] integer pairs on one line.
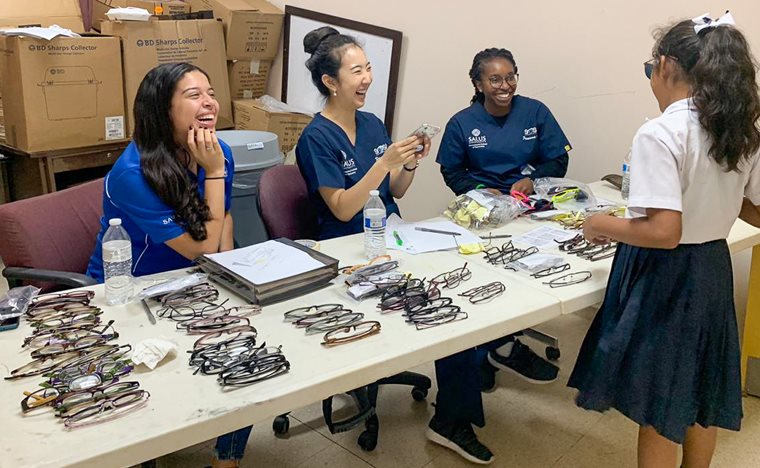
[[671, 169]]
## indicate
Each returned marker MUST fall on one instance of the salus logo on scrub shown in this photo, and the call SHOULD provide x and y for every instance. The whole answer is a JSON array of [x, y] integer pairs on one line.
[[380, 150], [168, 220], [530, 133], [349, 165], [477, 140]]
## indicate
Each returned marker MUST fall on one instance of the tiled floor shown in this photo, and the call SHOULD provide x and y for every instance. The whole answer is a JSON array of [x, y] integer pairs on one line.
[[527, 426]]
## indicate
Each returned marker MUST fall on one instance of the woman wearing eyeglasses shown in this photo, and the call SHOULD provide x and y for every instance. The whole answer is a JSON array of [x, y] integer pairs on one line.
[[501, 142]]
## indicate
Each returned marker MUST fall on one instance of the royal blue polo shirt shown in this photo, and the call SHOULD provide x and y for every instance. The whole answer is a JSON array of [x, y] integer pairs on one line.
[[495, 150], [148, 220], [327, 158]]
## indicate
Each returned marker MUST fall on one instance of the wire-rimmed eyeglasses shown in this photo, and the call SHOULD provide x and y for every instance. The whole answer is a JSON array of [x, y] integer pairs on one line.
[[485, 292], [452, 279], [569, 279]]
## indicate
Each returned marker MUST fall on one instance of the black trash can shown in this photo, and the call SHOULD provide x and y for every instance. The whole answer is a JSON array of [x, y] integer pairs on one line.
[[254, 152]]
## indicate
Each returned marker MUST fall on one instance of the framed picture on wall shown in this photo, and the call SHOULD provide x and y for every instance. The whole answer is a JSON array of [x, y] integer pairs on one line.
[[381, 45]]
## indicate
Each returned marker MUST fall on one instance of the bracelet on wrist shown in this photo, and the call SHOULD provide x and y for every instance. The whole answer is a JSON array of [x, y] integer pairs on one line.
[[416, 165], [216, 178]]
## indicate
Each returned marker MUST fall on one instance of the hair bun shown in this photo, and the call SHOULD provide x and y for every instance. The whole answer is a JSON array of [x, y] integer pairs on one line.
[[314, 38]]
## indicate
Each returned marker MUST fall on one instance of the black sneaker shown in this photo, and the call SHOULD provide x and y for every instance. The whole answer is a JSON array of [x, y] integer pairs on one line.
[[487, 376], [525, 363], [461, 439]]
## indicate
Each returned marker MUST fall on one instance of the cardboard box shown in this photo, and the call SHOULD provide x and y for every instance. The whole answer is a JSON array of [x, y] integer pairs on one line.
[[101, 7], [2, 123], [250, 114], [64, 13], [252, 27], [64, 93], [146, 45], [248, 79]]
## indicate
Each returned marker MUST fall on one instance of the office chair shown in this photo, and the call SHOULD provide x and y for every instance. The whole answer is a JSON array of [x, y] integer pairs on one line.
[[287, 212], [47, 240]]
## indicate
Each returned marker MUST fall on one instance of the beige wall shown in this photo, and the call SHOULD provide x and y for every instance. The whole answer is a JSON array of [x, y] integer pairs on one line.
[[583, 59]]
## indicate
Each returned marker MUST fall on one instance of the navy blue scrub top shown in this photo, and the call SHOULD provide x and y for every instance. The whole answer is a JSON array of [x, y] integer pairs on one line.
[[495, 152], [327, 158], [148, 220]]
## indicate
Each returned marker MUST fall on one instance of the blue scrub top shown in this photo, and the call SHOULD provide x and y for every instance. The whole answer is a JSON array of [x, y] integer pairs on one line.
[[148, 220], [495, 154], [327, 158]]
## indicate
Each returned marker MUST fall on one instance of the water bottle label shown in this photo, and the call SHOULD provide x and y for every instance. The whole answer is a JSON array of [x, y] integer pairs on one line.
[[374, 223]]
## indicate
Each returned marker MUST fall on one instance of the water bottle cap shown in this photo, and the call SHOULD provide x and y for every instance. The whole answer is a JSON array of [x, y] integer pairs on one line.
[[374, 193], [114, 222]]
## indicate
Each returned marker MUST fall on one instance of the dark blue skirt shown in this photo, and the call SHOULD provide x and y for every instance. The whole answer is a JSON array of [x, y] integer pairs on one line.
[[664, 348]]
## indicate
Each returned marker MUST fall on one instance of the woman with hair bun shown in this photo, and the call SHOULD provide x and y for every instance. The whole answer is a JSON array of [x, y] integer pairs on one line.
[[344, 152]]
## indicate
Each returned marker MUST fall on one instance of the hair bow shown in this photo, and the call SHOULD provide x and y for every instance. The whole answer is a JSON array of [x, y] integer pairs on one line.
[[705, 21]]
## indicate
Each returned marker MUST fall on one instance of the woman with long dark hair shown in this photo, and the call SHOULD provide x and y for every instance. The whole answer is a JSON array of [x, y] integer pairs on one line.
[[171, 188], [171, 185]]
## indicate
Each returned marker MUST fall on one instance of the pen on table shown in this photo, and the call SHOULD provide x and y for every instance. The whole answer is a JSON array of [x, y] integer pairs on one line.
[[148, 312], [437, 231], [500, 236], [396, 236]]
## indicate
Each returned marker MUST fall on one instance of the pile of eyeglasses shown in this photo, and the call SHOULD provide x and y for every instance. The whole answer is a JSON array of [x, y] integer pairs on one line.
[[339, 325], [226, 346], [372, 279], [423, 305], [506, 254], [586, 250], [82, 371]]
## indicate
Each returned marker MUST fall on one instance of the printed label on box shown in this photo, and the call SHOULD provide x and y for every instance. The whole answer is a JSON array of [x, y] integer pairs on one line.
[[115, 128]]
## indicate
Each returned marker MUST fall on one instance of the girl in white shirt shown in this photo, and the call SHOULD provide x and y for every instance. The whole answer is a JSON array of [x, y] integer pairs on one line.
[[664, 347]]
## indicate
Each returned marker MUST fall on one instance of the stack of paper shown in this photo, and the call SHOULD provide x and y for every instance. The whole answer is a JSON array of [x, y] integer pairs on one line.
[[404, 236], [270, 271], [40, 33]]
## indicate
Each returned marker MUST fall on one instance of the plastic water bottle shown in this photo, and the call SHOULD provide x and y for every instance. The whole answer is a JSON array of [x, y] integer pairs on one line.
[[117, 263], [625, 188], [374, 226]]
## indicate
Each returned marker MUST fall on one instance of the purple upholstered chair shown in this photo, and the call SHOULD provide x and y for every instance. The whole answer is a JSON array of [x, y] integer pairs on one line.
[[47, 240], [284, 204]]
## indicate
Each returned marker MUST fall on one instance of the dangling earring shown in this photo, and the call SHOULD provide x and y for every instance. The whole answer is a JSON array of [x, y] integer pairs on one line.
[[335, 93]]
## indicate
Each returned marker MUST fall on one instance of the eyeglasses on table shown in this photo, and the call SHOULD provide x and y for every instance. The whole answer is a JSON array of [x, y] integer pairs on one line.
[[484, 293], [351, 333]]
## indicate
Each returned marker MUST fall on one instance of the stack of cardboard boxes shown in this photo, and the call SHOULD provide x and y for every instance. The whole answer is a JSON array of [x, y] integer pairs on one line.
[[63, 93], [80, 92], [252, 31], [65, 13]]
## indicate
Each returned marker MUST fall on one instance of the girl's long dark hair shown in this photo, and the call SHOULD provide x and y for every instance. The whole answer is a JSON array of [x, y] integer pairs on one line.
[[154, 136], [718, 65], [481, 58]]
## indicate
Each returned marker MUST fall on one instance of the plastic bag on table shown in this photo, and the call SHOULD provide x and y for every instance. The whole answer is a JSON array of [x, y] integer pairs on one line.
[[565, 194], [481, 209], [15, 302]]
